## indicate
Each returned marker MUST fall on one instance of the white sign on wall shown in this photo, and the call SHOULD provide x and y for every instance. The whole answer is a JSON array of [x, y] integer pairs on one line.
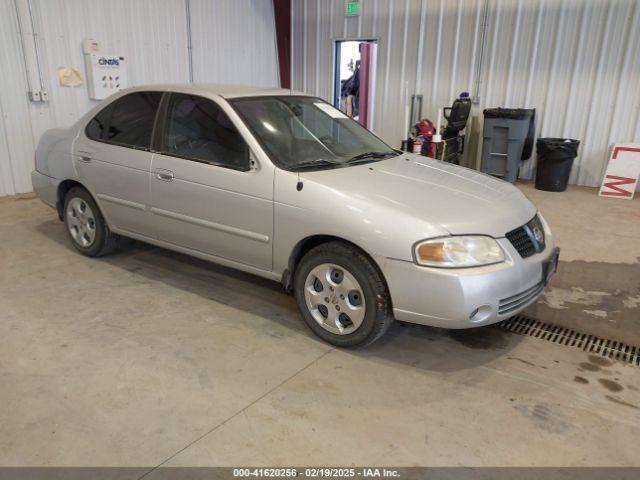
[[106, 74], [621, 178]]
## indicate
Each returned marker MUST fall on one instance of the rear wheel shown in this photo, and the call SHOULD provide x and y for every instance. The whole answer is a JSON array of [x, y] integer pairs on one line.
[[342, 296], [86, 227]]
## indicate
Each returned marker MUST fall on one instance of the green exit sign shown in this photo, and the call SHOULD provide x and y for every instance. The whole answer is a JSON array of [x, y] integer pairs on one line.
[[352, 8]]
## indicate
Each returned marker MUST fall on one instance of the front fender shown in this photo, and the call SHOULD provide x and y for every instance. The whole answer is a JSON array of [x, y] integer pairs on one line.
[[318, 209]]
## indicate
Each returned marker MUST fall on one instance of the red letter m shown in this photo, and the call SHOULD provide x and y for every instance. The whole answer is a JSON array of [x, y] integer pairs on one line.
[[614, 187]]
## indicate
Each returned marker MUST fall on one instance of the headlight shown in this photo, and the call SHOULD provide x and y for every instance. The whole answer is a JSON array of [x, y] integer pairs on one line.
[[457, 252]]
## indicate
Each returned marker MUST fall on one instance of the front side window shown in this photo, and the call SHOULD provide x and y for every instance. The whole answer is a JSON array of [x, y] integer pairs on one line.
[[128, 121], [306, 132], [198, 129]]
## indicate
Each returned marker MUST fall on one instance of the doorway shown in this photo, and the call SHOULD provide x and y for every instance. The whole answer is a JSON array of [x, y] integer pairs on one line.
[[354, 79]]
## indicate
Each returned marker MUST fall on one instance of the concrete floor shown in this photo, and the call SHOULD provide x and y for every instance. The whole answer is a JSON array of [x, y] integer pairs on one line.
[[148, 357], [597, 287]]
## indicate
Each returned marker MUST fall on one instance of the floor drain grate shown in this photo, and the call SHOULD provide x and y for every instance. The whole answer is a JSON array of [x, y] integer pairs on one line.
[[566, 336]]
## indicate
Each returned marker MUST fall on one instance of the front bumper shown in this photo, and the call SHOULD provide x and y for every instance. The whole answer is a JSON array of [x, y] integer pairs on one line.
[[45, 187], [469, 297]]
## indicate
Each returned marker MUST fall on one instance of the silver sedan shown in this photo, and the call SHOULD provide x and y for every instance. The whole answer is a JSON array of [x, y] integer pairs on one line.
[[286, 187]]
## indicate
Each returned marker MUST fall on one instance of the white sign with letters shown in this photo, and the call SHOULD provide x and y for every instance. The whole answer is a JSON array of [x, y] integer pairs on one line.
[[621, 178], [106, 74]]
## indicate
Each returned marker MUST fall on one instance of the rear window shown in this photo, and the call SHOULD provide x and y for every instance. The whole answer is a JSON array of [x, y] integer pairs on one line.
[[128, 121]]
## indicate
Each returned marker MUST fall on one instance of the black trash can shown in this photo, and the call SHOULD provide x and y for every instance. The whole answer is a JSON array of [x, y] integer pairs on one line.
[[555, 159]]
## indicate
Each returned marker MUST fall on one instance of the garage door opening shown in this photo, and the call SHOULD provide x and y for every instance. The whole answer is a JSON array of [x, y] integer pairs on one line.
[[354, 78]]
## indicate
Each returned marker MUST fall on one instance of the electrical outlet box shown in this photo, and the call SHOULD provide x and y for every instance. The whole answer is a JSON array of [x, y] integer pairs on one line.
[[44, 96], [34, 96]]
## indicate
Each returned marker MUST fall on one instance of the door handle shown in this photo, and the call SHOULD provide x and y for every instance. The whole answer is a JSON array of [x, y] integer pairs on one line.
[[164, 175], [84, 157]]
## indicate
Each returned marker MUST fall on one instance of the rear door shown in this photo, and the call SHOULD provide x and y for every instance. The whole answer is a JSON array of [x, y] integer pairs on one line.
[[113, 159], [208, 192]]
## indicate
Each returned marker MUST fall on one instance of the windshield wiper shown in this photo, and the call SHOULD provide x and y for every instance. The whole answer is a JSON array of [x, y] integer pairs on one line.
[[315, 162], [323, 162], [370, 156]]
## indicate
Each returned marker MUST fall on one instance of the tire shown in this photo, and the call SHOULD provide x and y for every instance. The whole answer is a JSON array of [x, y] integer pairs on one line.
[[85, 225], [323, 305]]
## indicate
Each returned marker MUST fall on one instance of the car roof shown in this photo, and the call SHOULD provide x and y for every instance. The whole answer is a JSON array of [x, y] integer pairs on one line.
[[223, 90]]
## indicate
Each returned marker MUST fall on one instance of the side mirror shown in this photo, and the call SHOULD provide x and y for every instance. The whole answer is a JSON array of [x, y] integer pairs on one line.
[[253, 162]]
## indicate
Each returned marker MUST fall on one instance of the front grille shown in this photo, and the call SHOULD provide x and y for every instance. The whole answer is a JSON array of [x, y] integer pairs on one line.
[[521, 241], [515, 302], [524, 238]]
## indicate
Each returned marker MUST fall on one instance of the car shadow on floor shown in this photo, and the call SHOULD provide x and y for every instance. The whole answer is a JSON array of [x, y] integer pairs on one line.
[[417, 346]]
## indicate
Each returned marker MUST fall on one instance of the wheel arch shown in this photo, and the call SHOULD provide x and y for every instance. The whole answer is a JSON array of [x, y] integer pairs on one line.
[[63, 188], [306, 244]]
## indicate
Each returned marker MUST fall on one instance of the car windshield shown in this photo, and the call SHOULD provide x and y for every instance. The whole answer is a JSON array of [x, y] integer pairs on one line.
[[307, 133]]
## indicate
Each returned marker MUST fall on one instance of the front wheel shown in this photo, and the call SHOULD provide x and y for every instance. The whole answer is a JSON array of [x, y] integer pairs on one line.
[[342, 296]]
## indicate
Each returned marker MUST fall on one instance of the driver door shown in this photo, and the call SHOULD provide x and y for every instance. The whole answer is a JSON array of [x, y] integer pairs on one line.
[[207, 194]]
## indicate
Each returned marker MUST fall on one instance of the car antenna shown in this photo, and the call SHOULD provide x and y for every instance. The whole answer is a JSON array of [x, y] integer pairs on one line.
[[299, 185]]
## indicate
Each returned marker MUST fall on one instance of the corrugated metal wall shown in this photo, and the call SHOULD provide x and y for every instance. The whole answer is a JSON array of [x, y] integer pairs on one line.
[[233, 41], [576, 61]]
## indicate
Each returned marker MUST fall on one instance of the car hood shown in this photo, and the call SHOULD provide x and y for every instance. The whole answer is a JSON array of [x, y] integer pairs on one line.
[[457, 199]]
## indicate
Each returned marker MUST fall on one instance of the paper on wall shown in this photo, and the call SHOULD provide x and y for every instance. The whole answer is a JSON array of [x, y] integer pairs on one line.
[[69, 76]]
